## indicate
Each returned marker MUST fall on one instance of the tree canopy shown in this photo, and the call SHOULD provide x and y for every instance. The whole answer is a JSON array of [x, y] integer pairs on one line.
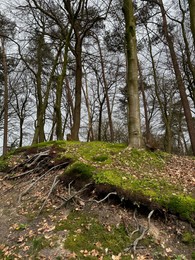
[[117, 71]]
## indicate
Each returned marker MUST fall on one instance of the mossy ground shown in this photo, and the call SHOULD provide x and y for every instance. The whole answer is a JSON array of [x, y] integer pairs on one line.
[[138, 176], [89, 238], [138, 173]]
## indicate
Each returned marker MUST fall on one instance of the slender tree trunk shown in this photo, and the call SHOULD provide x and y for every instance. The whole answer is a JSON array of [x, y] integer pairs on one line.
[[187, 51], [69, 97], [21, 131], [5, 75], [165, 117], [192, 17], [39, 135], [180, 83], [59, 128], [106, 92], [78, 87], [90, 136], [134, 125], [147, 123]]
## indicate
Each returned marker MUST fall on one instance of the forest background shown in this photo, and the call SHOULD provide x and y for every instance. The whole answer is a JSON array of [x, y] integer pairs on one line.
[[65, 67]]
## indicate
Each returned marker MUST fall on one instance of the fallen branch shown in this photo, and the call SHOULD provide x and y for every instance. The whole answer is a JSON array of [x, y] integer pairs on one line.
[[144, 231]]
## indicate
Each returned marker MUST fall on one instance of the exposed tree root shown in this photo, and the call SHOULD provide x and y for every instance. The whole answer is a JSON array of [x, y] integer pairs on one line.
[[143, 230], [54, 184], [37, 180], [74, 195]]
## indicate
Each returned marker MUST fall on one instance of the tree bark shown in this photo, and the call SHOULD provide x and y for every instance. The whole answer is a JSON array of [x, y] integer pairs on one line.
[[78, 88], [134, 126]]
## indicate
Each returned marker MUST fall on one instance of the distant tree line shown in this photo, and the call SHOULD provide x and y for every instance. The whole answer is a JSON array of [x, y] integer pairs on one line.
[[115, 70]]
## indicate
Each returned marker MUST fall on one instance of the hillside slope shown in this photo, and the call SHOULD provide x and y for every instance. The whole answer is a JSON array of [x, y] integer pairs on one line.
[[71, 200]]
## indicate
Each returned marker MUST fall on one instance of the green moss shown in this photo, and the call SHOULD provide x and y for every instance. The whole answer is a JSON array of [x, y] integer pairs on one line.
[[182, 205], [3, 163], [142, 160], [91, 150], [188, 238], [147, 186], [80, 169], [100, 158], [193, 255], [87, 233], [38, 243], [157, 191]]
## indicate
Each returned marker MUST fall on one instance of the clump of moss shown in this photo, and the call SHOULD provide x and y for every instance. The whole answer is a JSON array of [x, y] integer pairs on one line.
[[79, 173], [188, 238], [38, 243], [182, 205], [193, 255], [151, 191], [142, 160], [87, 237], [3, 164], [100, 158], [79, 168]]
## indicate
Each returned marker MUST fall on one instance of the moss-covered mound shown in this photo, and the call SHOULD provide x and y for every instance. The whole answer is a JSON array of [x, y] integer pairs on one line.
[[138, 176]]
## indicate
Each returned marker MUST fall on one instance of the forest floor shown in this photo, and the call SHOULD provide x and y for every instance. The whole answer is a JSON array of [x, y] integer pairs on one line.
[[34, 225]]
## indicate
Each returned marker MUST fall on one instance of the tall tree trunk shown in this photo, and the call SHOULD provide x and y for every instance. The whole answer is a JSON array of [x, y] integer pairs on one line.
[[5, 76], [39, 135], [180, 83], [59, 128], [192, 17], [147, 123], [134, 126], [90, 135], [21, 131], [187, 55], [78, 88], [109, 110], [165, 116]]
